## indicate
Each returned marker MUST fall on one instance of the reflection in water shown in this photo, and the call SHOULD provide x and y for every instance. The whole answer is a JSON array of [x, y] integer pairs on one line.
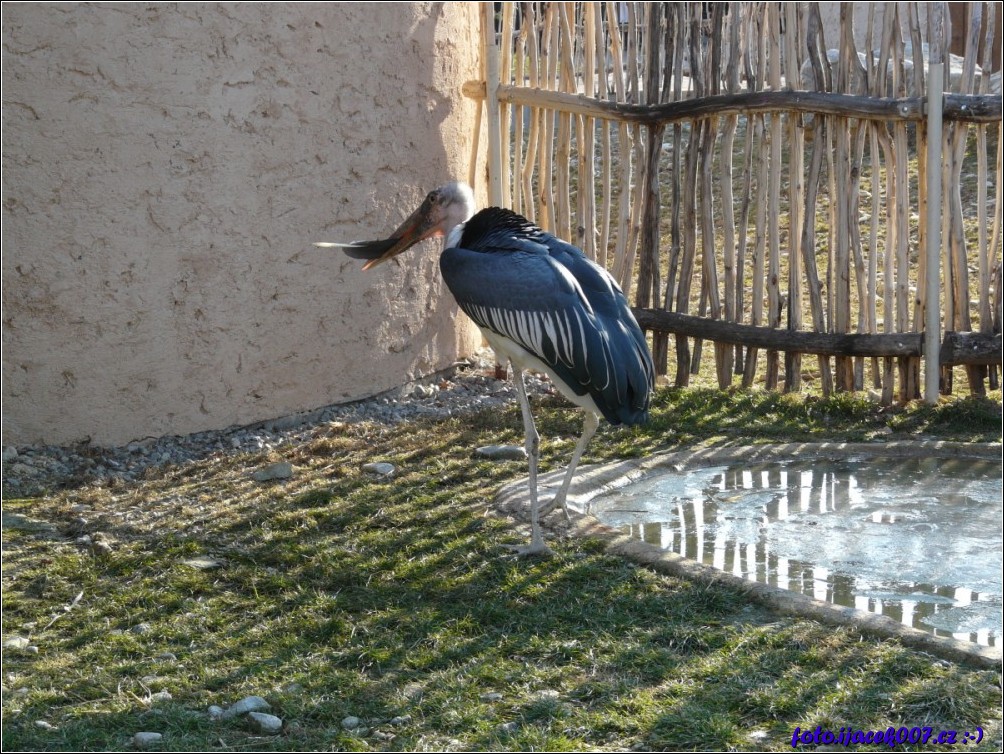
[[918, 540]]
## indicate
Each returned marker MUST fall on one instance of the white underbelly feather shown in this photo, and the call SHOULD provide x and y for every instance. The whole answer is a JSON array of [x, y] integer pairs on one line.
[[523, 359]]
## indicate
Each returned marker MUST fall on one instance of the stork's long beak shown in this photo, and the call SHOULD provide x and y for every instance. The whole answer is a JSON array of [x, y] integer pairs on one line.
[[421, 224]]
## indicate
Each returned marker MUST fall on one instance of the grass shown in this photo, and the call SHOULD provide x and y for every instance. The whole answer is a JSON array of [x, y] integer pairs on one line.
[[338, 593]]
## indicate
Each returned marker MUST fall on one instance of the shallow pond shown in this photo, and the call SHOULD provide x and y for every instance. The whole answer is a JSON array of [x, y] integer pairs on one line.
[[918, 539]]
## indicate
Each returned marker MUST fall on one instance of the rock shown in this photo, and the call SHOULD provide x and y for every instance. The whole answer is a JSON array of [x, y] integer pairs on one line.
[[202, 563], [166, 657], [400, 720], [101, 547], [247, 704], [215, 712], [140, 628], [380, 469], [143, 739], [19, 470], [9, 453], [413, 691], [45, 725], [160, 696], [26, 523], [351, 722], [266, 723], [16, 642], [280, 470], [491, 696], [510, 727], [546, 695], [502, 452]]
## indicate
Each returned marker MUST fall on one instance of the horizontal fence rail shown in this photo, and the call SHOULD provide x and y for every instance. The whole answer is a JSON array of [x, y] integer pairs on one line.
[[963, 108], [957, 348]]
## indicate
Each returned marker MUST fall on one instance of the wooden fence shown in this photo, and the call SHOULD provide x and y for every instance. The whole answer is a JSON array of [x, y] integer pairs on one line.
[[750, 182]]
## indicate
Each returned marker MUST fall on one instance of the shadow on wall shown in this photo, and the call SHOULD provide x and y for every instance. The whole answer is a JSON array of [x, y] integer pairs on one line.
[[166, 169]]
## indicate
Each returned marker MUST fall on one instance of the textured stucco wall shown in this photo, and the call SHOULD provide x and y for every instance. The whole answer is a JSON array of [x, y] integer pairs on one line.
[[166, 168]]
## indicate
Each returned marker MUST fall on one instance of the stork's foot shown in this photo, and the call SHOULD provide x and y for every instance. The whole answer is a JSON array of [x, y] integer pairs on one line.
[[532, 550], [549, 506]]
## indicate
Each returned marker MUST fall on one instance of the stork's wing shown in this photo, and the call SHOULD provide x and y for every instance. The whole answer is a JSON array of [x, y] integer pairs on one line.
[[606, 297], [526, 294]]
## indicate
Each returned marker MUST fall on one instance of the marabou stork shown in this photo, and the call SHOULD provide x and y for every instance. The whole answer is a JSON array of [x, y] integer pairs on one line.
[[541, 304]]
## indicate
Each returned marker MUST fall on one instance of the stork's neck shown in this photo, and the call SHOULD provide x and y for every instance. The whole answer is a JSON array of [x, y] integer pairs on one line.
[[453, 237]]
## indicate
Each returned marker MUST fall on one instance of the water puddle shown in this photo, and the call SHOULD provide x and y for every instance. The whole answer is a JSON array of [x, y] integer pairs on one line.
[[916, 539]]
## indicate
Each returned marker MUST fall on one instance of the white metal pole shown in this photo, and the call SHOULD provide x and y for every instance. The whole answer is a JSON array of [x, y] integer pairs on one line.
[[932, 313]]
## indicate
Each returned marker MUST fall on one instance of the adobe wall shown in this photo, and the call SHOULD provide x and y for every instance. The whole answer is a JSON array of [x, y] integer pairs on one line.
[[166, 168]]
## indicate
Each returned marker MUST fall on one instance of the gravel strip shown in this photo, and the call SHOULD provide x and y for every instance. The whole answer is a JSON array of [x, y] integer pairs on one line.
[[468, 388]]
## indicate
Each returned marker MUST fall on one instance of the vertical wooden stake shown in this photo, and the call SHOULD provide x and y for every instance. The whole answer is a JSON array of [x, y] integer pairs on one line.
[[492, 94], [932, 321]]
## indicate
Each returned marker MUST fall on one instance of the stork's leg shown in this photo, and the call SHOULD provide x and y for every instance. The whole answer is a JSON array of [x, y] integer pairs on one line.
[[589, 425], [536, 546]]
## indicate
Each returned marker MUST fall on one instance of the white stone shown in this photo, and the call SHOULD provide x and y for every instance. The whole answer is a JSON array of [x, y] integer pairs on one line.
[[266, 723], [351, 722], [247, 704], [380, 469], [202, 563], [502, 452], [146, 738], [280, 470], [101, 548]]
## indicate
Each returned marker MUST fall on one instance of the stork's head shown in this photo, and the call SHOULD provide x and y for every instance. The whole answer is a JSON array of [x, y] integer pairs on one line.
[[444, 209]]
